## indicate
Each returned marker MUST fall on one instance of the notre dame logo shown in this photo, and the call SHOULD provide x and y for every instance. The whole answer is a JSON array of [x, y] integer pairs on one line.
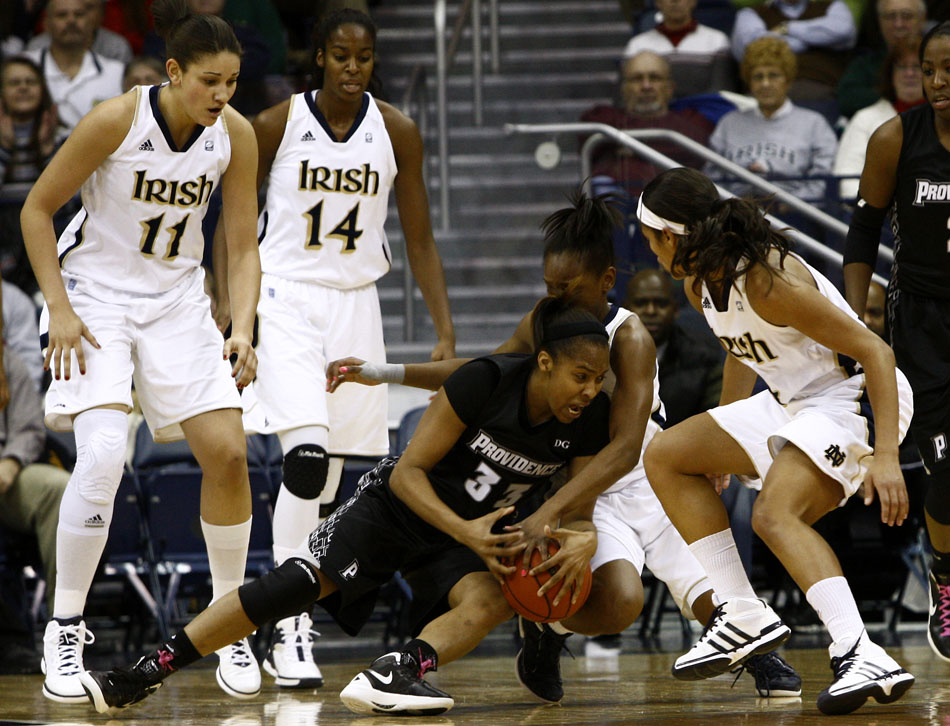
[[835, 455]]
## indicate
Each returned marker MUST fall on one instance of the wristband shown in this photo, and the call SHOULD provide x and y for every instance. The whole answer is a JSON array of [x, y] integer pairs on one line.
[[384, 372]]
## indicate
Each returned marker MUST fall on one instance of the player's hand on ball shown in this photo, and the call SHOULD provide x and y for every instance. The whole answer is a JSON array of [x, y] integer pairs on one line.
[[244, 367], [533, 530], [66, 331], [477, 535], [884, 477], [571, 560], [344, 370]]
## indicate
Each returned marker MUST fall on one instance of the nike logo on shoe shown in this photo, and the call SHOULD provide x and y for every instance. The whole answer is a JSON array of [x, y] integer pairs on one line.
[[385, 681]]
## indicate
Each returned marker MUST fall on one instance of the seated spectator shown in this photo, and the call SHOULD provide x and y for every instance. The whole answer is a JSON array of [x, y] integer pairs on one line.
[[690, 365], [105, 42], [77, 77], [143, 71], [820, 33], [20, 330], [646, 89], [698, 55], [901, 87], [30, 492], [776, 138], [29, 135], [898, 20]]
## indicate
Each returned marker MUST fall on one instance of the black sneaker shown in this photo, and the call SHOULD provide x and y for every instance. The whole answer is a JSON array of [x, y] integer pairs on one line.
[[774, 677], [121, 687], [392, 685], [938, 630], [539, 660]]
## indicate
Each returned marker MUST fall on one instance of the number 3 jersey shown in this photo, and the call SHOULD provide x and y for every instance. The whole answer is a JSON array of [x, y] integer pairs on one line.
[[501, 457], [327, 199], [139, 229]]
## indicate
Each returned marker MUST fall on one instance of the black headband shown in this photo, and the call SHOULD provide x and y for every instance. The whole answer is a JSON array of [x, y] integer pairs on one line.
[[572, 330]]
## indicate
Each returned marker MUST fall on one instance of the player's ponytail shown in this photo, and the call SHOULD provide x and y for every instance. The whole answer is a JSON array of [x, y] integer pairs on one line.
[[188, 35], [559, 327], [584, 229]]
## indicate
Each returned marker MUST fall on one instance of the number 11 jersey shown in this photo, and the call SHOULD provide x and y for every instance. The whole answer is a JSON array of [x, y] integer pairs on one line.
[[139, 229], [327, 199]]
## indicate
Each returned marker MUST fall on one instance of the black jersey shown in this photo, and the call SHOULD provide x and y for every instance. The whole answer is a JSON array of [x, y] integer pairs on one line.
[[921, 215], [501, 457]]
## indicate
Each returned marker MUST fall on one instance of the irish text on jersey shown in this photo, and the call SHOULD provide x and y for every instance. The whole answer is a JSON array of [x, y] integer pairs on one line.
[[359, 180], [745, 346], [173, 192], [486, 447]]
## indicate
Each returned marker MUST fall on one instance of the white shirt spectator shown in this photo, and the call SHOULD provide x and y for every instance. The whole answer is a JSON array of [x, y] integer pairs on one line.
[[98, 79], [20, 330], [695, 60], [107, 43], [853, 146]]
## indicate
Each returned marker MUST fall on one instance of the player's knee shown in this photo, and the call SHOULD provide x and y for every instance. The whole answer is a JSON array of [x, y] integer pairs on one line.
[[656, 456], [305, 470], [766, 519], [937, 501], [99, 463], [230, 457], [283, 592], [624, 607], [487, 605]]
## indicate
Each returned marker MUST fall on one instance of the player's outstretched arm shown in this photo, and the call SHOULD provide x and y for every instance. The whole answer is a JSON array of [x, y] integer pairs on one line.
[[429, 376], [239, 209], [413, 205], [95, 137]]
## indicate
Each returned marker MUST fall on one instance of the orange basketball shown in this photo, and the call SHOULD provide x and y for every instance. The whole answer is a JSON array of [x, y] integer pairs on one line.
[[521, 591]]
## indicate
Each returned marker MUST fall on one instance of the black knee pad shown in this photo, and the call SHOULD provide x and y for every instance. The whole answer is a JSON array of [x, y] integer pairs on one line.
[[937, 501], [283, 592], [305, 470]]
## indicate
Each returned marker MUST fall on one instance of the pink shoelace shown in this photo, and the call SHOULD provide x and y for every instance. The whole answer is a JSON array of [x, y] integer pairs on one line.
[[943, 609]]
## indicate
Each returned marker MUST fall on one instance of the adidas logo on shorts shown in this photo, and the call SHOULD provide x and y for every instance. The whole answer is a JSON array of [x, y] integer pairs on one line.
[[308, 136], [147, 146], [95, 521]]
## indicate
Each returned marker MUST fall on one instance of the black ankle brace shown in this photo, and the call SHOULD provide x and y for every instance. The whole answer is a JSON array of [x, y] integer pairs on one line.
[[422, 655]]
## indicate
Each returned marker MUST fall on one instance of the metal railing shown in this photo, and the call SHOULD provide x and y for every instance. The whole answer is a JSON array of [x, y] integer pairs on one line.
[[632, 139]]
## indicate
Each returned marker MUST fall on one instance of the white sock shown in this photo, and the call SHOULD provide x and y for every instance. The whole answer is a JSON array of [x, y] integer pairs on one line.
[[835, 605], [718, 555], [294, 520], [77, 557], [227, 555]]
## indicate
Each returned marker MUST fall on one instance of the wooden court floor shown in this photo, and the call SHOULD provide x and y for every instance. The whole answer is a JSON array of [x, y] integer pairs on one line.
[[633, 688]]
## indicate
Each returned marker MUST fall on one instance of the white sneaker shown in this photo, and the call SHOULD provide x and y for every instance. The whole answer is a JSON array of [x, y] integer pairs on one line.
[[392, 684], [290, 660], [738, 629], [865, 671], [238, 673], [62, 661]]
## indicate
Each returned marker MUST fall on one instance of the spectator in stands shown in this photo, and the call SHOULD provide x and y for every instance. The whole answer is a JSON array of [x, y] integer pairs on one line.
[[690, 365], [899, 20], [820, 33], [29, 134], [77, 77], [30, 492], [901, 87], [776, 138], [131, 19], [646, 88], [105, 42], [698, 55], [20, 331], [143, 71]]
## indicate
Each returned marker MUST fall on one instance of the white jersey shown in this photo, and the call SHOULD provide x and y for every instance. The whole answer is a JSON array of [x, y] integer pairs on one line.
[[327, 200], [615, 318], [792, 365], [139, 229]]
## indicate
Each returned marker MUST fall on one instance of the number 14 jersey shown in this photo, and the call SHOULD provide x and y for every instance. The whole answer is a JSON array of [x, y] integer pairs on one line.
[[327, 199]]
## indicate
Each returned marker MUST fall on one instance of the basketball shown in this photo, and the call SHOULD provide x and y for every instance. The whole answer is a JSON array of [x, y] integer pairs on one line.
[[521, 591]]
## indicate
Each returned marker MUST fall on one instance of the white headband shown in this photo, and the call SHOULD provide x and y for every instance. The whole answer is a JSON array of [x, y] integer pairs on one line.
[[655, 221]]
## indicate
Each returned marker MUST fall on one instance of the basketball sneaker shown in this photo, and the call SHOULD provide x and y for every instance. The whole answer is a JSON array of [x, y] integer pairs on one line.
[[938, 630], [62, 659], [238, 673], [737, 630], [865, 671], [392, 684], [290, 660], [119, 688], [774, 677], [539, 661]]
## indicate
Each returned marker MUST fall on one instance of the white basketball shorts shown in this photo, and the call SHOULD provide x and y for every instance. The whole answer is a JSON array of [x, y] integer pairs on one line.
[[832, 428], [303, 327], [167, 343]]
